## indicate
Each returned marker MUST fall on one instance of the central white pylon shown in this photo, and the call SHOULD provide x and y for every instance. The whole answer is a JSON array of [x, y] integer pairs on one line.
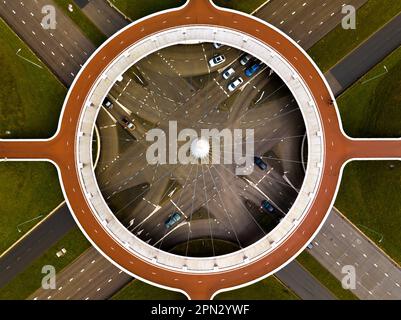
[[200, 148]]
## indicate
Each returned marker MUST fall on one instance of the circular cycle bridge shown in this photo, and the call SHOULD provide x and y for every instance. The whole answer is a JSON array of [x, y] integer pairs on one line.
[[137, 211]]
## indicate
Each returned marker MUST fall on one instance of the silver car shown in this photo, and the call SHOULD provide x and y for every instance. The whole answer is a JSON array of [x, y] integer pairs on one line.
[[217, 60], [245, 59], [228, 73], [235, 84]]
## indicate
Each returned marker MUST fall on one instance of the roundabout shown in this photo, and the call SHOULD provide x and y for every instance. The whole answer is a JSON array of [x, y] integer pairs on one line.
[[200, 22]]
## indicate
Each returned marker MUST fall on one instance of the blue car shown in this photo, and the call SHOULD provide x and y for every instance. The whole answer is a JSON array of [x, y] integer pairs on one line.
[[252, 69], [260, 163], [267, 206], [172, 220]]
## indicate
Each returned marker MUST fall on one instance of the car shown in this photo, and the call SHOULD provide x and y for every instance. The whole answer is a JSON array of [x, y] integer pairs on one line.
[[310, 246], [172, 220], [128, 123], [61, 253], [245, 59], [235, 84], [215, 61], [107, 103], [228, 73], [217, 45], [265, 205], [252, 69], [260, 163]]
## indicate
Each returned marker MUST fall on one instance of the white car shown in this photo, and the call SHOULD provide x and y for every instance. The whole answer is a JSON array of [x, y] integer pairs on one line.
[[245, 59], [128, 124], [215, 61], [217, 45], [107, 103], [235, 84], [61, 253], [228, 73]]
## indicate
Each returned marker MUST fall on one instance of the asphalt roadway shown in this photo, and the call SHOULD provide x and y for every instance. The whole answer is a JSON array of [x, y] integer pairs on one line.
[[64, 49], [93, 277], [90, 277], [365, 56], [31, 247], [377, 276], [106, 18], [44, 50], [305, 21], [229, 218], [299, 280]]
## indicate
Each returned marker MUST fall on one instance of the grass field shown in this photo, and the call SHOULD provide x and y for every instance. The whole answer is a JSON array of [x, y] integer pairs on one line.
[[370, 197], [30, 97], [247, 6], [22, 197], [268, 289], [136, 9], [324, 277], [82, 21], [26, 112], [28, 281], [370, 191], [372, 106], [138, 290], [339, 42]]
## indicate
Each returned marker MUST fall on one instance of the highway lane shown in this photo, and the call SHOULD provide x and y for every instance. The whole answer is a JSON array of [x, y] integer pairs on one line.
[[63, 49], [106, 18], [367, 55], [339, 244], [98, 279], [35, 244], [306, 21], [90, 277], [299, 280]]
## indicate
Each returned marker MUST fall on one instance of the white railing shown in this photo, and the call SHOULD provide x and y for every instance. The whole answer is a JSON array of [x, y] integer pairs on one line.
[[193, 34]]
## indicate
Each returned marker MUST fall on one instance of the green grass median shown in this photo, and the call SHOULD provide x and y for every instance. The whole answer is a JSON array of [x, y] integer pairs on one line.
[[136, 9], [247, 6], [30, 96], [138, 290], [82, 21], [369, 194], [372, 106], [27, 282], [370, 197], [267, 289], [23, 200], [325, 277], [30, 102], [339, 42]]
